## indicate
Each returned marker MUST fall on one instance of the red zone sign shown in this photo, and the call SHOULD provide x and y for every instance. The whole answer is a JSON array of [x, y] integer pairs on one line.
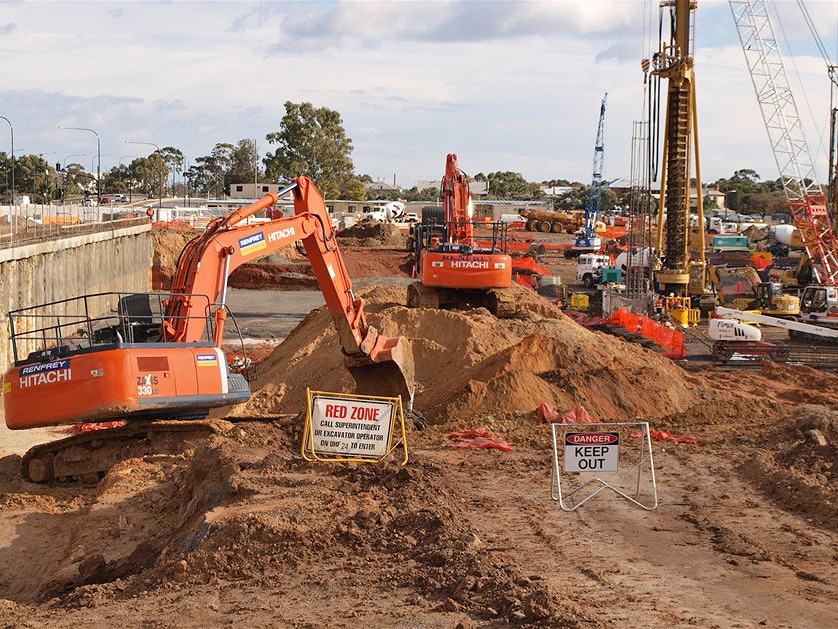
[[591, 451]]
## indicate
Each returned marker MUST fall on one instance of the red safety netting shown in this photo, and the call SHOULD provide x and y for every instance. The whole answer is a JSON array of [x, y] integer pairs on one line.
[[670, 339], [528, 264], [478, 439], [76, 429], [546, 414], [662, 435], [614, 231]]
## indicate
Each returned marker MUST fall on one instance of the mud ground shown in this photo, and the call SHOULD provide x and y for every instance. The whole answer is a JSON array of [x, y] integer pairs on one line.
[[240, 531]]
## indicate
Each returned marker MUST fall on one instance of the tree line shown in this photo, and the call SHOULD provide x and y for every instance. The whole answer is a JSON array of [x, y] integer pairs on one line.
[[312, 141]]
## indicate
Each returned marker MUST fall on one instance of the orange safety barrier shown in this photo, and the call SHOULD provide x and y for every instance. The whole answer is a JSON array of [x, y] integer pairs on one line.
[[613, 231], [77, 429], [525, 245], [546, 414], [668, 338], [528, 264], [478, 439]]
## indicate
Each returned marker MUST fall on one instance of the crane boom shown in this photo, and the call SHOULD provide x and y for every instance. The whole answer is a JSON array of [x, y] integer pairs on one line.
[[786, 324], [798, 174], [588, 240]]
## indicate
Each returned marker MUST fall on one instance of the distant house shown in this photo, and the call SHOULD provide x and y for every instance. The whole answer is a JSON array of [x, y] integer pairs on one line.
[[623, 185], [381, 186], [478, 188], [556, 191], [253, 190]]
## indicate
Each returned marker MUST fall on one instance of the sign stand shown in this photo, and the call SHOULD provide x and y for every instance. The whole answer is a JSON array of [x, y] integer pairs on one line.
[[352, 428], [596, 451]]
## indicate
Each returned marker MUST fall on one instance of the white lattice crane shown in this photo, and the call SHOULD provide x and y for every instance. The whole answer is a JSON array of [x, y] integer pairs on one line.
[[807, 202]]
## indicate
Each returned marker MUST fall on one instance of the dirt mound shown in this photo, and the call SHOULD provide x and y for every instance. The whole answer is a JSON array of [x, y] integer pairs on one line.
[[168, 242], [797, 464], [243, 509], [469, 363], [373, 234]]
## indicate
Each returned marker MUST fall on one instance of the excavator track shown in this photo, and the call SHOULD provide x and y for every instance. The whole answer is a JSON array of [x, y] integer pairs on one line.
[[87, 457], [499, 301], [421, 296]]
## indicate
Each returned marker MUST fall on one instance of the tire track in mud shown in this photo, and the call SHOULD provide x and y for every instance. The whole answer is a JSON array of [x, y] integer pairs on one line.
[[715, 553]]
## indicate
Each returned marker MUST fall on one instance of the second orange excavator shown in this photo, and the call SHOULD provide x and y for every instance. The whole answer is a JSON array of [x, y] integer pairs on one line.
[[158, 357], [453, 271]]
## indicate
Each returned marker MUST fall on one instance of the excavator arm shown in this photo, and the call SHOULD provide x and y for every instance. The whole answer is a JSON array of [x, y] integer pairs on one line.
[[456, 202], [380, 365]]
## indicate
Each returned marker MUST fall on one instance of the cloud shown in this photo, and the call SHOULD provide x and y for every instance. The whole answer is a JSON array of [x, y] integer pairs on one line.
[[373, 23], [624, 49], [8, 28], [509, 86], [117, 12]]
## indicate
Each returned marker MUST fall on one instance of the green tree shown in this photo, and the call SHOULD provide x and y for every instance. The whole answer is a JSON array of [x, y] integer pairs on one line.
[[579, 196], [244, 162], [354, 190], [150, 173], [311, 141], [508, 185]]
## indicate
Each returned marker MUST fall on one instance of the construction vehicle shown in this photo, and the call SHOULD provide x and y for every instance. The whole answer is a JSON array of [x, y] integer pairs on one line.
[[735, 333], [158, 356], [590, 267], [819, 304], [588, 240], [453, 271], [547, 221], [791, 272], [742, 288]]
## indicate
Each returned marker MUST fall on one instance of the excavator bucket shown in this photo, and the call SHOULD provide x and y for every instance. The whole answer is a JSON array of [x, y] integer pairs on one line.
[[386, 371]]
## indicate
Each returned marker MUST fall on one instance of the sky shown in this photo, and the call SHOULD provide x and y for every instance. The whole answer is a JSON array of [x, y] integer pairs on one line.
[[506, 85]]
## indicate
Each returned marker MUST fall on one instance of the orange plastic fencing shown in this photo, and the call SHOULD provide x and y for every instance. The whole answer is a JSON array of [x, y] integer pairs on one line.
[[670, 339], [614, 231], [478, 439], [546, 414]]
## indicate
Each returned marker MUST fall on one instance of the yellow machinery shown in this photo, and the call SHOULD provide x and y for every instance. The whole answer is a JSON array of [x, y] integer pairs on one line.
[[741, 288], [683, 269]]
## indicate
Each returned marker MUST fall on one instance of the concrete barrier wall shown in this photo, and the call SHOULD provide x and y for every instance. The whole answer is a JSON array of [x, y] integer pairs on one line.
[[113, 260]]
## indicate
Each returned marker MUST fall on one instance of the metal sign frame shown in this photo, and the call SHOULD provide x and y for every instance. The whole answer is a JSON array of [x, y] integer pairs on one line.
[[307, 446], [556, 491]]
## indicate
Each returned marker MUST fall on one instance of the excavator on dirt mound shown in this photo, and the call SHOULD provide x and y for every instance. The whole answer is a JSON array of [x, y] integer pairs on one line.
[[453, 270], [155, 359]]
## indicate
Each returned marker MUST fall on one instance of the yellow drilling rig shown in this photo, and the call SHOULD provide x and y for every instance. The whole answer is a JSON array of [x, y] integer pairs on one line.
[[680, 242]]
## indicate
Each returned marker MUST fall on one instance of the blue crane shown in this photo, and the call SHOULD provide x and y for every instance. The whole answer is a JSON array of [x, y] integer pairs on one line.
[[588, 240]]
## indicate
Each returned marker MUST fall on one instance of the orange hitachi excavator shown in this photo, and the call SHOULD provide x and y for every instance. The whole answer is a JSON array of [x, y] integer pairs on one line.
[[157, 356], [452, 270]]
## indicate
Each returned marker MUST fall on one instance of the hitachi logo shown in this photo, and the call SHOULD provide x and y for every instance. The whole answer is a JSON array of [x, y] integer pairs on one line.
[[47, 377], [281, 234], [468, 264]]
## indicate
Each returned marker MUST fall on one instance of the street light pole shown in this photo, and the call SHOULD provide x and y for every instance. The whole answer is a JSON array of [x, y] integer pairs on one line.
[[12, 132], [99, 161], [160, 204]]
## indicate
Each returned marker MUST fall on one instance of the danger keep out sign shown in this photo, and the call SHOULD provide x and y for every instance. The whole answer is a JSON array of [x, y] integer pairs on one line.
[[351, 427], [591, 451]]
